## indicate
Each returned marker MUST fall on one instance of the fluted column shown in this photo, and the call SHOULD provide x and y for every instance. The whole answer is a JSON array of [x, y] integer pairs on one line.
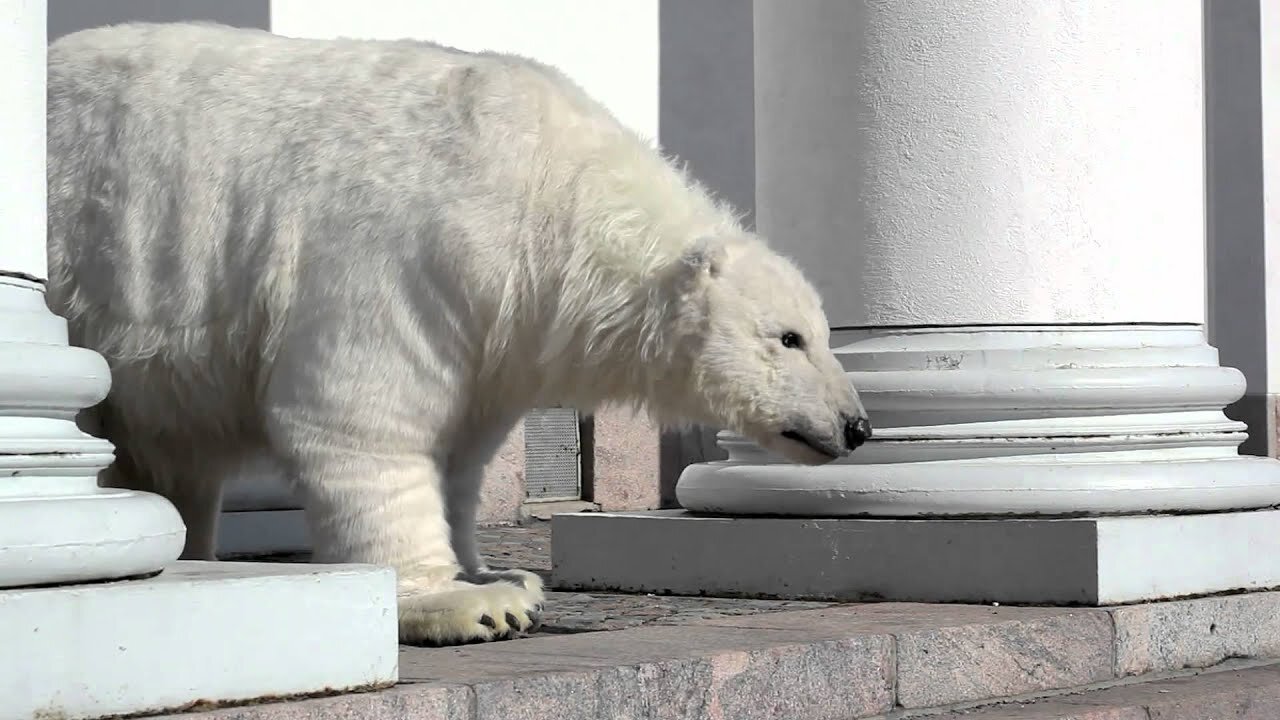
[[56, 524], [1003, 205]]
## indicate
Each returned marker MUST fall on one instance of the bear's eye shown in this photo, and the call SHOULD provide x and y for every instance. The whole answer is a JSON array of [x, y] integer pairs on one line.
[[792, 340]]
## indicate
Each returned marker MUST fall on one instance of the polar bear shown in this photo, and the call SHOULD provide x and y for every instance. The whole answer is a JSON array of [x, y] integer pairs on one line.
[[369, 260]]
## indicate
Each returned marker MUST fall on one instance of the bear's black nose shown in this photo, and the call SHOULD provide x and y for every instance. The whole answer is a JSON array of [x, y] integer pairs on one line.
[[856, 431]]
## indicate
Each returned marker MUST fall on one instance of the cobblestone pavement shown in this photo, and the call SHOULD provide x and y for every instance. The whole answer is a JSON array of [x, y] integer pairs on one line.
[[529, 548]]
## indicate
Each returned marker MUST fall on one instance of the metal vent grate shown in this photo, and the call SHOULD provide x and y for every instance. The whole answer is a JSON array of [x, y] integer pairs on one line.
[[552, 455]]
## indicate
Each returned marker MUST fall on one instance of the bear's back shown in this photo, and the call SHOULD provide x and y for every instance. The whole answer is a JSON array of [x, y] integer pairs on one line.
[[199, 172]]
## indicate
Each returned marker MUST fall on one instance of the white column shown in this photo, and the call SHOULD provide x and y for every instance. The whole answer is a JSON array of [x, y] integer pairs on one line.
[[56, 525], [1270, 52], [1002, 202], [1005, 207], [146, 640]]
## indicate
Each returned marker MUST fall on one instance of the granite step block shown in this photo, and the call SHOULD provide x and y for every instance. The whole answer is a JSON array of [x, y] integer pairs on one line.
[[694, 658], [948, 654], [1242, 694], [1169, 636], [659, 672], [839, 663], [670, 672]]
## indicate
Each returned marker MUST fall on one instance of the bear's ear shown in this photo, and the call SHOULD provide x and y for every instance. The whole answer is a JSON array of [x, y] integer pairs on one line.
[[706, 255]]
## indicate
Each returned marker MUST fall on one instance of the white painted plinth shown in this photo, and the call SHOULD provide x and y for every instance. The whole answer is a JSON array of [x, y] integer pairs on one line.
[[196, 632], [1089, 561]]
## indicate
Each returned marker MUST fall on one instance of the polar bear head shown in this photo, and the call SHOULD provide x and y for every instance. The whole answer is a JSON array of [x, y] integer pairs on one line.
[[755, 353]]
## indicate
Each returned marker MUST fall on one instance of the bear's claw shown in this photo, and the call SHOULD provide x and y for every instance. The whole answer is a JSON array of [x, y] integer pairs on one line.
[[462, 613]]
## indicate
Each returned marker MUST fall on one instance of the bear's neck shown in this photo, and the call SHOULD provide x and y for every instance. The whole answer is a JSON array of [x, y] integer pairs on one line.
[[609, 339], [623, 215]]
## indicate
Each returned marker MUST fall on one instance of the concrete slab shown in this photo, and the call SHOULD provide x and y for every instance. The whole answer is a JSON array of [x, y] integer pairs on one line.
[[196, 633], [1086, 561]]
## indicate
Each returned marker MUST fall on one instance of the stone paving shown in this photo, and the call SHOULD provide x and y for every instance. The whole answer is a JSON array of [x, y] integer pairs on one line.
[[529, 548], [616, 656], [888, 661]]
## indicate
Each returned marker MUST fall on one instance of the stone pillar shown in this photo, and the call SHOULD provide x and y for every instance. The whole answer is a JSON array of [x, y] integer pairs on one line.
[[1013, 232], [1269, 30], [1003, 205], [56, 524], [96, 616]]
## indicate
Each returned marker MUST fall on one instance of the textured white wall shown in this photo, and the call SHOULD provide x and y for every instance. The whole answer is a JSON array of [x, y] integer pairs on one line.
[[1270, 22], [610, 48], [934, 162], [22, 145]]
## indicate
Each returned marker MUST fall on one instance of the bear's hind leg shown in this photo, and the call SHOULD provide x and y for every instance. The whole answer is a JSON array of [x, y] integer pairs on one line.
[[199, 502], [462, 493], [193, 486]]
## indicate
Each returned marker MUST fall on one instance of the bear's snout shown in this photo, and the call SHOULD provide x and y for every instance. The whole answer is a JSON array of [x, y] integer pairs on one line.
[[856, 431]]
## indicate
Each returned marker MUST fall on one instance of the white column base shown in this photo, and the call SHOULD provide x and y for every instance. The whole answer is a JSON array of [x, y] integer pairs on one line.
[[206, 632], [992, 449], [1065, 561], [72, 531], [56, 524], [1016, 421], [189, 632], [1046, 486]]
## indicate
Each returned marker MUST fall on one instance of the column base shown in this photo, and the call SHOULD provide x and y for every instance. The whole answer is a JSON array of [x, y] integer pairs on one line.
[[56, 524], [1015, 421], [1044, 485], [78, 532], [197, 633], [1057, 561]]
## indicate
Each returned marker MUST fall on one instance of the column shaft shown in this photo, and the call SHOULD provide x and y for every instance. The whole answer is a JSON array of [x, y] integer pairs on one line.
[[998, 161]]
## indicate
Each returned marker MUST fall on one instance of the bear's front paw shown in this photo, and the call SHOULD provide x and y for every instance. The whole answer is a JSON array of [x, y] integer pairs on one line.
[[464, 612]]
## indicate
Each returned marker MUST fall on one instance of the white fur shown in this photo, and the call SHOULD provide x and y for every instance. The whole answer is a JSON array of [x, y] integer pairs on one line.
[[369, 260]]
